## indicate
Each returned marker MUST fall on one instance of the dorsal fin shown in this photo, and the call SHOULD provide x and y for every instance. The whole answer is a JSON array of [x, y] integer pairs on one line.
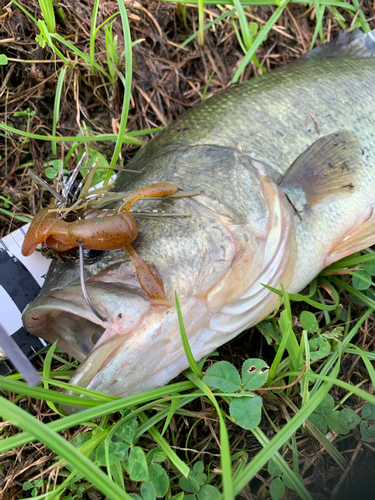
[[328, 167], [353, 44]]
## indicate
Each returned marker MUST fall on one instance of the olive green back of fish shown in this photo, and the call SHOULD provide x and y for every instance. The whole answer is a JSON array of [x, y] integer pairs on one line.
[[274, 117]]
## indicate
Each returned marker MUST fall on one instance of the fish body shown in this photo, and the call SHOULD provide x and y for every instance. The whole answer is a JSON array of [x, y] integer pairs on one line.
[[286, 168]]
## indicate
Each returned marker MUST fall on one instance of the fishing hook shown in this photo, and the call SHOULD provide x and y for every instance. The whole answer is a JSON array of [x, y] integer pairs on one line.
[[83, 285]]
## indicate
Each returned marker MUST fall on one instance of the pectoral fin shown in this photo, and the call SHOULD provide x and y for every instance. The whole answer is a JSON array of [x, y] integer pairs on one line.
[[329, 167], [360, 236]]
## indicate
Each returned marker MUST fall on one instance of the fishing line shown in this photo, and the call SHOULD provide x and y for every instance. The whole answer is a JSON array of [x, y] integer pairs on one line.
[[83, 285]]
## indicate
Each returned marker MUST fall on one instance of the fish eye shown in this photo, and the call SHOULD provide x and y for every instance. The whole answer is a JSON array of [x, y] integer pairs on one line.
[[71, 217], [74, 191], [91, 256]]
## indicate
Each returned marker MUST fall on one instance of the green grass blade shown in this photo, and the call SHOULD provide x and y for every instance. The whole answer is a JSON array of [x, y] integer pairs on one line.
[[319, 12], [96, 412], [208, 25], [172, 410], [283, 436], [319, 436], [348, 338], [56, 108], [46, 372], [225, 455], [200, 23], [353, 291], [369, 355], [207, 85], [238, 35], [263, 34], [79, 53], [292, 476], [352, 260], [111, 49], [21, 218], [245, 30], [292, 345], [48, 38], [92, 138], [364, 24], [279, 354], [127, 85], [25, 11], [189, 355], [162, 414], [158, 438], [348, 387], [93, 30], [47, 394], [297, 297], [363, 278], [346, 6], [48, 13], [366, 362], [63, 448]]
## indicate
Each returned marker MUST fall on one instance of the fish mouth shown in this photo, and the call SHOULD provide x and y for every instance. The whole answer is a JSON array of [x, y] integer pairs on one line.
[[64, 315], [137, 349]]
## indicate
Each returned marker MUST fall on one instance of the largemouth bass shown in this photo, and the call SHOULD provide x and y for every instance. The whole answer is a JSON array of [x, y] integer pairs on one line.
[[286, 168]]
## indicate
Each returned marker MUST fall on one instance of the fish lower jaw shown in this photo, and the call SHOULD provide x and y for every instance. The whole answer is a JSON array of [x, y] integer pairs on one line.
[[64, 315], [148, 357]]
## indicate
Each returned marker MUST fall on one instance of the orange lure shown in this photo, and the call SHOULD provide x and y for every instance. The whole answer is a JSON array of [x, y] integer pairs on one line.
[[109, 230]]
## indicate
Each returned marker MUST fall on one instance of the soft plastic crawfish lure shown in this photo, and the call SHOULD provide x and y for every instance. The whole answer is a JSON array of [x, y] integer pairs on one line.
[[102, 230]]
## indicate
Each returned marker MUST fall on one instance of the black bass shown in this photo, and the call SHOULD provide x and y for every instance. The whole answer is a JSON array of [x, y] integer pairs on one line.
[[286, 168]]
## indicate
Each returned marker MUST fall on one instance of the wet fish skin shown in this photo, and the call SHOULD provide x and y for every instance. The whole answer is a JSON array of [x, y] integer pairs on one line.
[[252, 224]]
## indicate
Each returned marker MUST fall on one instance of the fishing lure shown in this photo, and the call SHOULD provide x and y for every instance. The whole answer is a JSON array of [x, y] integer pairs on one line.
[[99, 230]]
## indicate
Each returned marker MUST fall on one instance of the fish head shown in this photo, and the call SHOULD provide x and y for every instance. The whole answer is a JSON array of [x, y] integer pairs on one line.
[[138, 346], [210, 256]]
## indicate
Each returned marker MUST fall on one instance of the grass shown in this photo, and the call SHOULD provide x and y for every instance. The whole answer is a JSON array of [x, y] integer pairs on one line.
[[184, 393], [119, 443]]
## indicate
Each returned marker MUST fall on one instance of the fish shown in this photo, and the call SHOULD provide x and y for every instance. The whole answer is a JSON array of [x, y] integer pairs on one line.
[[285, 167]]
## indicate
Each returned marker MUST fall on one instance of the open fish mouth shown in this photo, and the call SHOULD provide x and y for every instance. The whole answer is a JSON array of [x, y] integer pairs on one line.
[[64, 314], [135, 349]]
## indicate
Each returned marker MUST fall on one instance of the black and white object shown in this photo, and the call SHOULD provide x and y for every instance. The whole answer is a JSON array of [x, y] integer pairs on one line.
[[20, 281]]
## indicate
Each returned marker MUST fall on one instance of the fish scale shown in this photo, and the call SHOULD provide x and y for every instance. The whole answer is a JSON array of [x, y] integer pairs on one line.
[[285, 164]]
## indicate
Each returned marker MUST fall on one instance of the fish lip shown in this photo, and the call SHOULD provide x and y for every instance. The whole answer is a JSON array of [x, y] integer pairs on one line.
[[64, 315]]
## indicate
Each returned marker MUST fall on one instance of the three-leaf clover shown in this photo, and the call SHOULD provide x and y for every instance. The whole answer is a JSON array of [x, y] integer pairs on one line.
[[119, 443], [195, 485], [27, 485], [345, 420], [245, 408], [144, 468], [281, 481]]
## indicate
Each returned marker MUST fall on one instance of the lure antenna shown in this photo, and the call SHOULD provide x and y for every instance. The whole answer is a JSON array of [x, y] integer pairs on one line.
[[46, 186]]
